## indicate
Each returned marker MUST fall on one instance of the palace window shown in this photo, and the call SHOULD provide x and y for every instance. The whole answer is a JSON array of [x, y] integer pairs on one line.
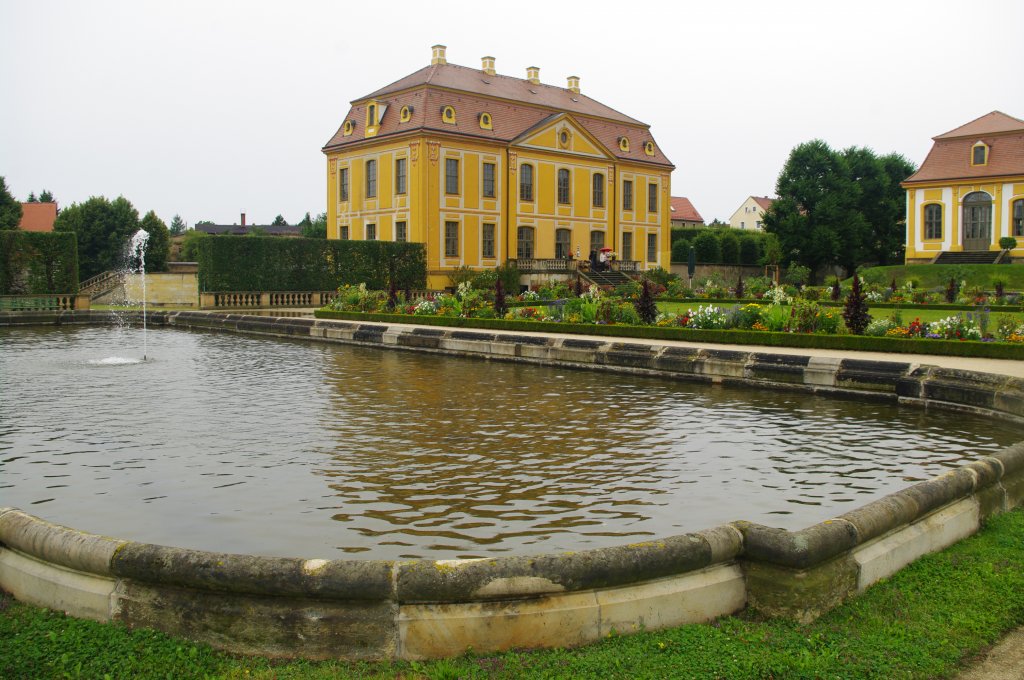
[[526, 183], [1018, 218], [596, 241], [563, 244], [343, 184], [348, 127], [487, 240], [371, 232], [488, 180], [933, 221], [485, 121], [451, 239], [451, 175], [649, 148], [598, 191], [371, 179], [448, 115], [563, 186], [624, 144], [405, 115], [371, 115], [524, 245], [343, 232], [627, 194], [652, 247], [399, 175], [627, 245], [401, 231], [652, 198]]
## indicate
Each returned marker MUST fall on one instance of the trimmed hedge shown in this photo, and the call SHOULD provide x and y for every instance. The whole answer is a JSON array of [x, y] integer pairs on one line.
[[904, 306], [986, 350], [243, 263], [37, 263]]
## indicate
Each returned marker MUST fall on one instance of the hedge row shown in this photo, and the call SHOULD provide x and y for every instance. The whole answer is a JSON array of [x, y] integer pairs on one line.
[[243, 263], [986, 350], [37, 263]]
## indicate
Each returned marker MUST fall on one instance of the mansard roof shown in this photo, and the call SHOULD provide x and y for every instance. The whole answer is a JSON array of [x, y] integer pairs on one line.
[[950, 156], [514, 105]]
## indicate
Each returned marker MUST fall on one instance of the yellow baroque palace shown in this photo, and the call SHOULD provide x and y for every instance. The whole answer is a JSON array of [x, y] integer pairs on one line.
[[969, 193], [485, 169]]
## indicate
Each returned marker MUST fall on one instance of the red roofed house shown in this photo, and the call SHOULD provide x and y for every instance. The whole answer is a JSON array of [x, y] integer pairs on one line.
[[969, 193], [485, 168], [750, 214], [38, 216], [683, 214]]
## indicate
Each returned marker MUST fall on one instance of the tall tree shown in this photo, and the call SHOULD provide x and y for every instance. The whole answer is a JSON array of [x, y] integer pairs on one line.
[[890, 222], [317, 228], [102, 228], [32, 197], [177, 226], [10, 209], [158, 250], [815, 216], [46, 196], [279, 221]]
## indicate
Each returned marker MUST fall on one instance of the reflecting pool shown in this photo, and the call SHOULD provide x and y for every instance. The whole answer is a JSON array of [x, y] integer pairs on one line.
[[274, 447]]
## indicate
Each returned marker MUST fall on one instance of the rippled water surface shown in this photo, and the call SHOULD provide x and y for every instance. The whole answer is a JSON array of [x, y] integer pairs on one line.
[[237, 444]]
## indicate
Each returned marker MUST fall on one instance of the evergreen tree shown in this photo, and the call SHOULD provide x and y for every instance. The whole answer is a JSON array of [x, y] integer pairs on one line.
[[103, 228], [32, 198], [645, 305], [10, 209], [177, 227], [500, 305], [279, 221], [46, 196], [855, 311]]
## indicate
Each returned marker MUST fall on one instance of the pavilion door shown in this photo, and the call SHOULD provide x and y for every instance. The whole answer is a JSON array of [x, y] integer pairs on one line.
[[977, 226]]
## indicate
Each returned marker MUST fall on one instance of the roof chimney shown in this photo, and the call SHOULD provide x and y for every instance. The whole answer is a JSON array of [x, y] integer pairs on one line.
[[488, 65], [438, 55], [533, 74], [243, 219], [574, 84]]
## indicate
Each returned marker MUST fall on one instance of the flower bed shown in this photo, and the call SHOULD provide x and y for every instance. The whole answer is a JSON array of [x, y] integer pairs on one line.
[[593, 311]]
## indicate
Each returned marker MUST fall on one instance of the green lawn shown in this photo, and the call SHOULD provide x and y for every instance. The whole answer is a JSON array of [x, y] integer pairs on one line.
[[938, 275], [924, 622]]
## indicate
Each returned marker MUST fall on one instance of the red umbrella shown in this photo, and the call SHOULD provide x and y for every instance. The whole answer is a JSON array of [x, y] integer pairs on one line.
[[606, 250]]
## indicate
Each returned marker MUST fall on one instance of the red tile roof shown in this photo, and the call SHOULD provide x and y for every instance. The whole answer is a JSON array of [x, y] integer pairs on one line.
[[763, 201], [38, 216], [950, 156], [512, 114], [989, 124], [682, 209]]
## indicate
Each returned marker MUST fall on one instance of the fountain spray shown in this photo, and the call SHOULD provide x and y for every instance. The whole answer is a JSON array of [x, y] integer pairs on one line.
[[137, 249]]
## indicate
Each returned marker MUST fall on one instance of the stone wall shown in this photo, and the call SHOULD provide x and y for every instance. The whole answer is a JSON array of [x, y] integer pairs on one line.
[[423, 608]]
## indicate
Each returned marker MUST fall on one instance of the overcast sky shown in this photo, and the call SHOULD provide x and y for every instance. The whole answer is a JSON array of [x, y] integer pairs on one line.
[[209, 109]]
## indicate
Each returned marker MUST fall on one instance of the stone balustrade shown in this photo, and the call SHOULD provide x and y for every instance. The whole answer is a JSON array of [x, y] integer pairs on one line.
[[44, 303]]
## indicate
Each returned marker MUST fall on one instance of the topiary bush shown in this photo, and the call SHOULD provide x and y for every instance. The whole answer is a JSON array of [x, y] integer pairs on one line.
[[855, 311], [34, 263], [707, 248], [729, 246]]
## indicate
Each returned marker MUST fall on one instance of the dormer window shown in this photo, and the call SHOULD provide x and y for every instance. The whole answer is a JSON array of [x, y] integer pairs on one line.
[[348, 127], [485, 121], [649, 148], [624, 144], [448, 115], [979, 154], [371, 115], [405, 115]]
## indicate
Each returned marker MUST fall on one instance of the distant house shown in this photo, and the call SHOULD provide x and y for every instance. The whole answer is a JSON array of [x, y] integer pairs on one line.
[[750, 214], [969, 192], [37, 216], [683, 214], [244, 229]]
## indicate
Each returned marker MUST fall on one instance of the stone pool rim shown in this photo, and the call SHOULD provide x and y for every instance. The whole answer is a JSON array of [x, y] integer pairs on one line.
[[424, 608]]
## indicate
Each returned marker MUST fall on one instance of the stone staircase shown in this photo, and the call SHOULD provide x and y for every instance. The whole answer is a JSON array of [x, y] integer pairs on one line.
[[101, 284], [606, 278], [968, 257]]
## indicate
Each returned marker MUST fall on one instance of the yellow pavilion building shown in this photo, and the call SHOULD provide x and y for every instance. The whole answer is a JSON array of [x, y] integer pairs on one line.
[[485, 168], [968, 194]]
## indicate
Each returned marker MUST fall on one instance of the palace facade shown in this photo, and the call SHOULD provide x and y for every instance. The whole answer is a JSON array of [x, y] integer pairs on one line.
[[969, 193], [485, 168]]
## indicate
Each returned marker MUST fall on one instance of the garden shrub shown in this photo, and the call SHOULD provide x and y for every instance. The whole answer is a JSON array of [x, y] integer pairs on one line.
[[707, 247], [855, 311], [750, 251], [646, 307], [681, 251], [729, 246]]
